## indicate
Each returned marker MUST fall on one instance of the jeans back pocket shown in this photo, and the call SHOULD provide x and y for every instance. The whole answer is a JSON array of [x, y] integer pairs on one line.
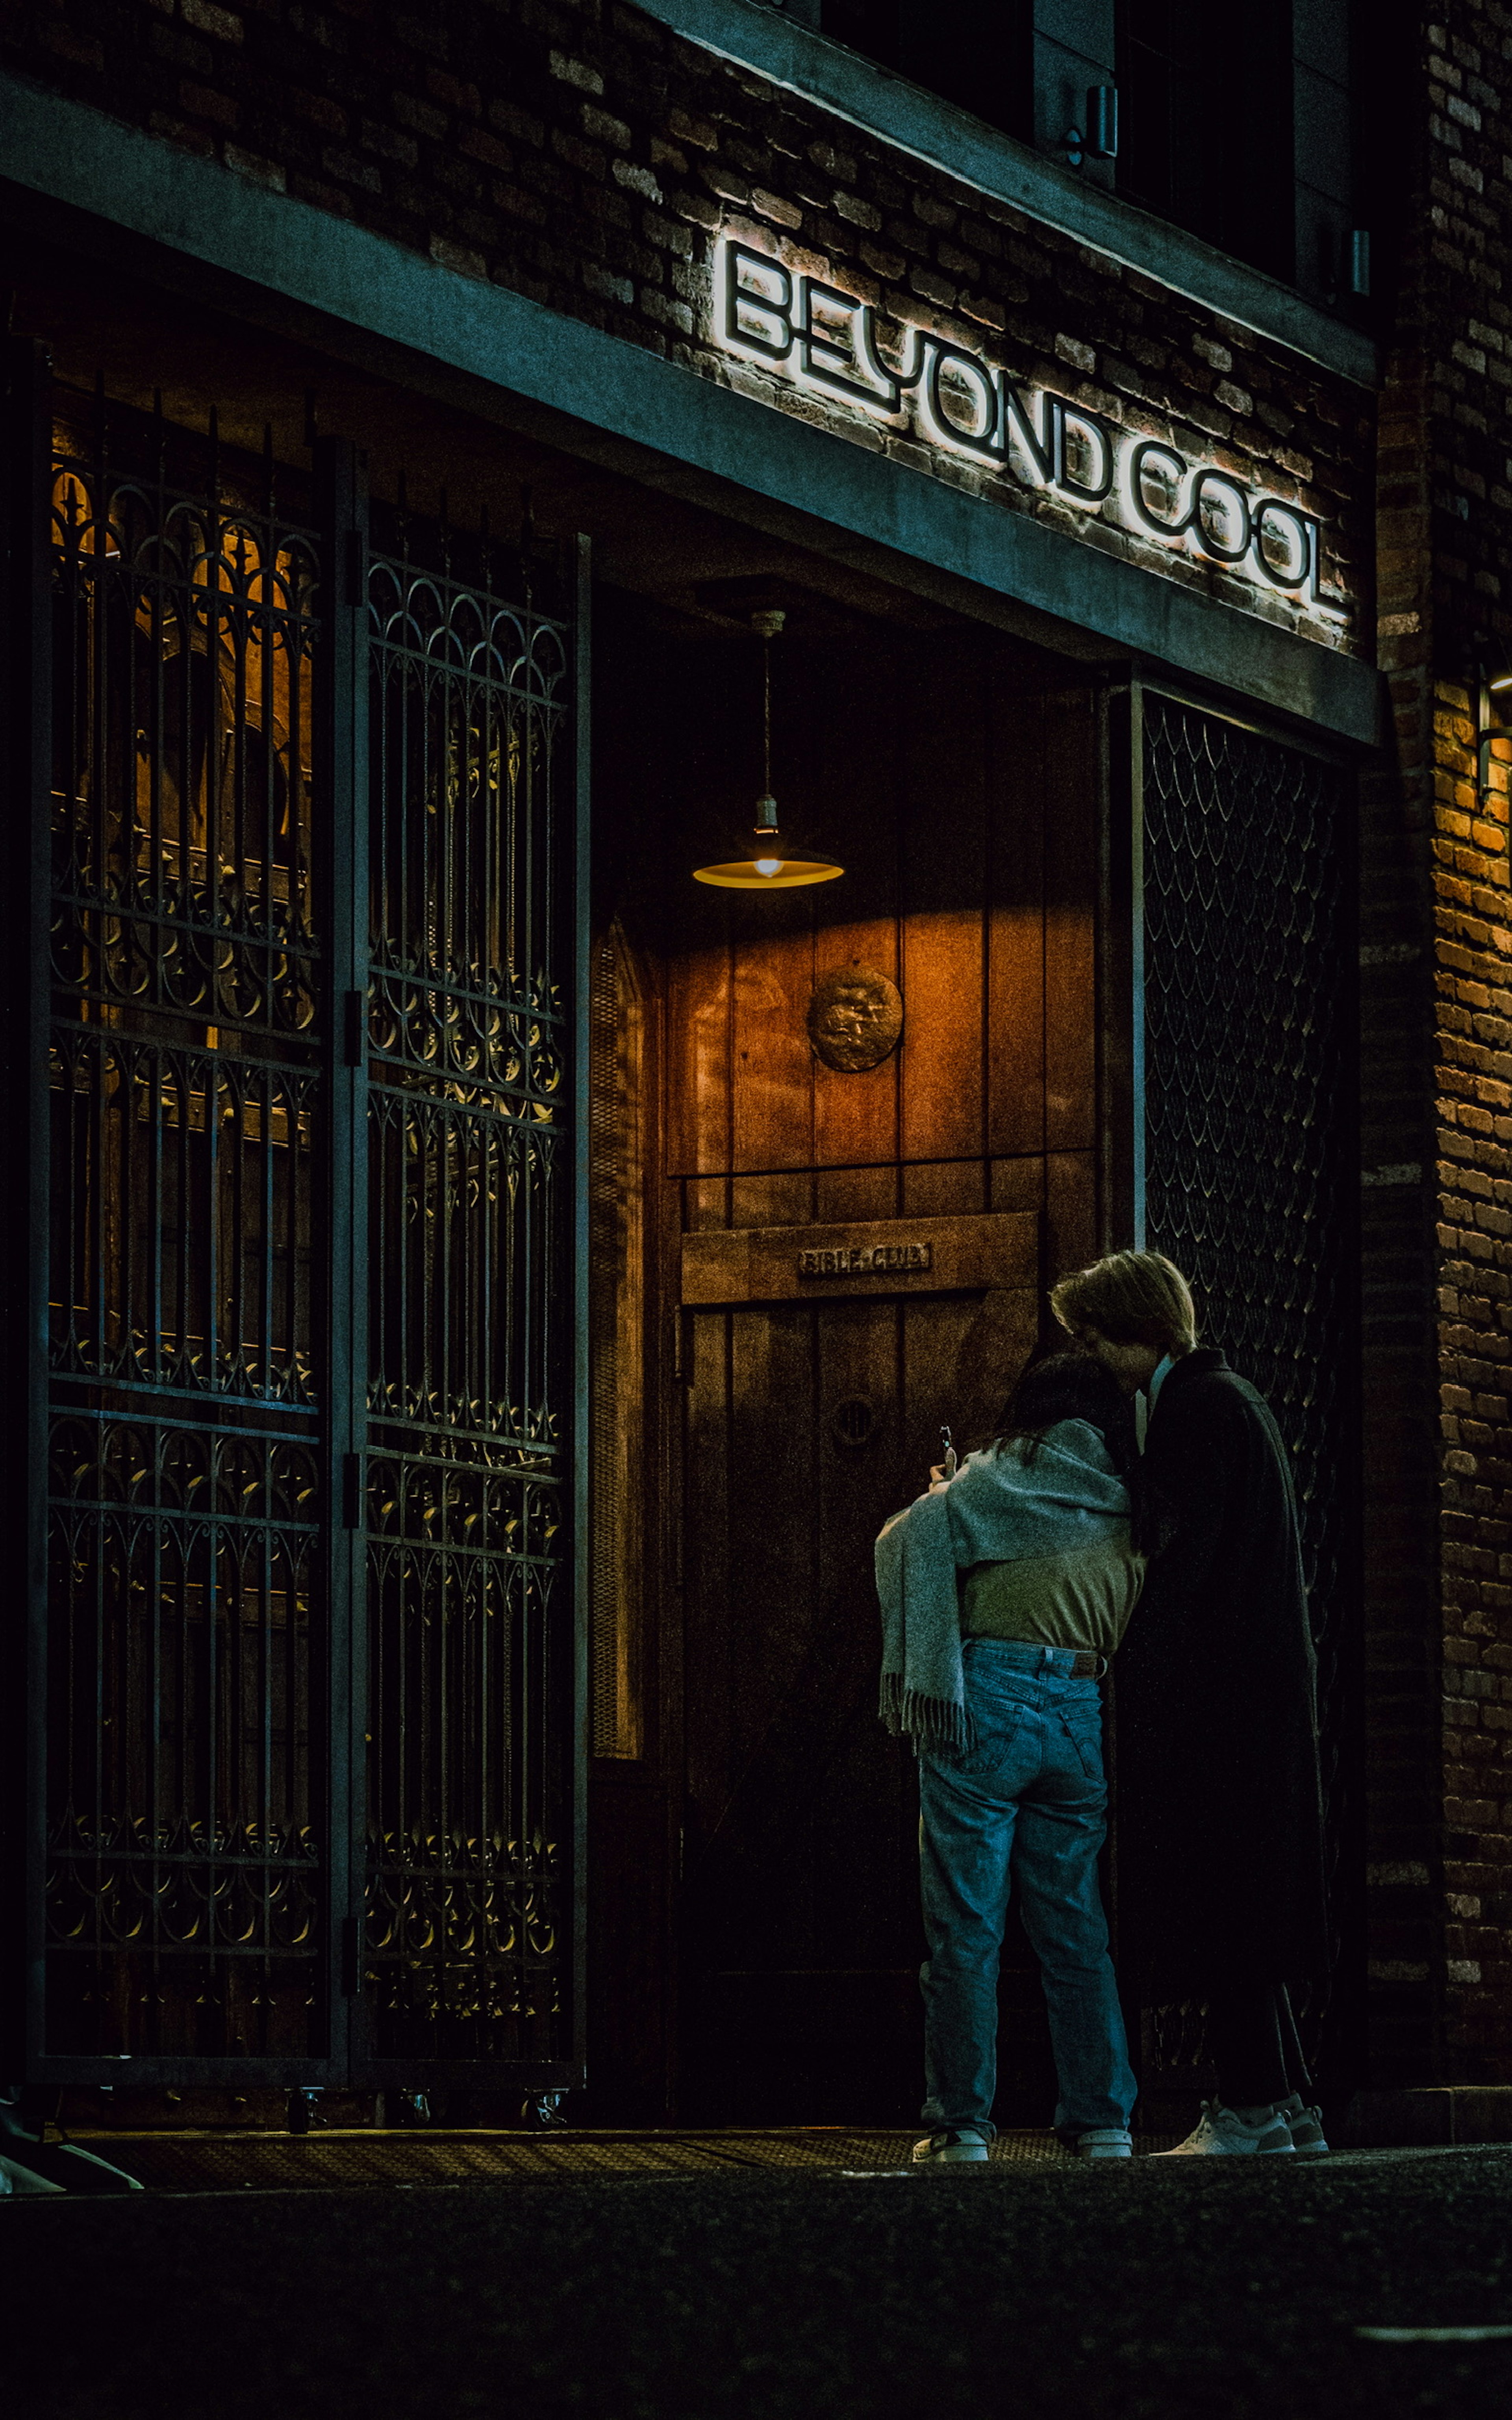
[[1084, 1728], [998, 1719]]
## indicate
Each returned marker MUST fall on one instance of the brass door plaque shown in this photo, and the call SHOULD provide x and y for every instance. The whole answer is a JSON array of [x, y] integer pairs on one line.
[[864, 1260], [884, 1256]]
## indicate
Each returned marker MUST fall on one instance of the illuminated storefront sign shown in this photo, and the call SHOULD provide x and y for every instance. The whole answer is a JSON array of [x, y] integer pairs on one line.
[[825, 340]]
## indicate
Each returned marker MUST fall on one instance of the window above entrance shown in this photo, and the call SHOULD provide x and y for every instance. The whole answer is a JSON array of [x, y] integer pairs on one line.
[[1239, 125]]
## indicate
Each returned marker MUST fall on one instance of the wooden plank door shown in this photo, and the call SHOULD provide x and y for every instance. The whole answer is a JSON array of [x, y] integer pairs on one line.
[[956, 778], [808, 1423]]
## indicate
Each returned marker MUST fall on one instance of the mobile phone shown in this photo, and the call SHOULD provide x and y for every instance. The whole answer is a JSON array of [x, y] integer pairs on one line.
[[950, 1451]]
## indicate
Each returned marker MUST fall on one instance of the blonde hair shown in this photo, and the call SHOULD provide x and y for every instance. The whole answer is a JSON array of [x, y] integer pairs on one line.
[[1131, 1298]]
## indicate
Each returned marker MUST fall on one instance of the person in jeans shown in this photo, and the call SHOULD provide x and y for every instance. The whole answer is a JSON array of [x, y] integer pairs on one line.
[[1004, 1592], [1218, 1780]]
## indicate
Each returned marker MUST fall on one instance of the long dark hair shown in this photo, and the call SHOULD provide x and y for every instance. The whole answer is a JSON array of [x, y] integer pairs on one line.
[[1069, 1386]]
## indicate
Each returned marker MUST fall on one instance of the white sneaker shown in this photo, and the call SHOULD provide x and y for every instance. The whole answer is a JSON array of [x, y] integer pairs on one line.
[[1104, 2143], [1306, 2128], [951, 2146], [17, 2179], [1218, 2130]]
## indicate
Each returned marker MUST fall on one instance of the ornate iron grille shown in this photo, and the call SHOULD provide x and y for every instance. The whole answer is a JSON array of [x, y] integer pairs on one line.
[[235, 859], [186, 1616], [1247, 1133], [468, 1656]]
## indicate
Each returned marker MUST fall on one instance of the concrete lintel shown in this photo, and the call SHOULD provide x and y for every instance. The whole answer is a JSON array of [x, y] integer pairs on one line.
[[596, 387], [754, 34]]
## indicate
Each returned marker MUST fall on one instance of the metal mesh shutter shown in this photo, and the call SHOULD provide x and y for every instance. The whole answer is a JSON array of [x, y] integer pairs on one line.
[[1247, 1118]]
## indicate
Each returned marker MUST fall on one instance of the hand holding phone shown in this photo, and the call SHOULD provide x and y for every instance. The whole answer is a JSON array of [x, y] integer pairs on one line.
[[949, 1464]]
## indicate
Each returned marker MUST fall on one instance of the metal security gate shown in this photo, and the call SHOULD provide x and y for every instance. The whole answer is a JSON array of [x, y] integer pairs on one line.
[[467, 1889], [303, 1768], [1249, 1177]]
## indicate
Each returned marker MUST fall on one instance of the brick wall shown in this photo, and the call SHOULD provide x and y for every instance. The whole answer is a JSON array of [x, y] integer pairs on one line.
[[1439, 1099], [579, 153]]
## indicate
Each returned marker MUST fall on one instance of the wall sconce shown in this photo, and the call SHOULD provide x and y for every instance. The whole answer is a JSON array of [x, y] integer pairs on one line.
[[1494, 695], [769, 867]]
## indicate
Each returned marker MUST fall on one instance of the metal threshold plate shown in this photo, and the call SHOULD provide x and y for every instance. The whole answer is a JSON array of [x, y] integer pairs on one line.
[[342, 2157]]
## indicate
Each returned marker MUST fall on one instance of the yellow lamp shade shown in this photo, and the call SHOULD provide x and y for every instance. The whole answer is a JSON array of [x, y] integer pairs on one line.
[[768, 873]]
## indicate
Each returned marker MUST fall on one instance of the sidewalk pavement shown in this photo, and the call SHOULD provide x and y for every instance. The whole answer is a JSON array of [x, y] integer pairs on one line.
[[1373, 2284]]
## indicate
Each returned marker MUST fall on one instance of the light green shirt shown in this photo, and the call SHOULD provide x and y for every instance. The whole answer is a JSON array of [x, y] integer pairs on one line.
[[1081, 1599]]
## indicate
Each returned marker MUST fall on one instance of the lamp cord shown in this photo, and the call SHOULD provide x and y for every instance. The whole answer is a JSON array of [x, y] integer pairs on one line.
[[767, 715]]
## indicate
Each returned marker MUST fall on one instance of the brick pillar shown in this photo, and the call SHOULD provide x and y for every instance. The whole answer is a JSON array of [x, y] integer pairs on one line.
[[1436, 1069]]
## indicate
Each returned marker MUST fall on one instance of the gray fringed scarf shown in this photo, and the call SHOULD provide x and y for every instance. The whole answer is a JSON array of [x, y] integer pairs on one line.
[[995, 1510]]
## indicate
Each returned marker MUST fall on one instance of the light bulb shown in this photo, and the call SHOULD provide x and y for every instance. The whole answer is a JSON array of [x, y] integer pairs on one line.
[[768, 865]]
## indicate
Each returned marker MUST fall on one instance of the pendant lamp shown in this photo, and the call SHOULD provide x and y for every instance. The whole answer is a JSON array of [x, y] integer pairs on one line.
[[769, 867]]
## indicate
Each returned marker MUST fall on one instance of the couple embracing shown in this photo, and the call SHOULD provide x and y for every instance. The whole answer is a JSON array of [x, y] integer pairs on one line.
[[1004, 1592]]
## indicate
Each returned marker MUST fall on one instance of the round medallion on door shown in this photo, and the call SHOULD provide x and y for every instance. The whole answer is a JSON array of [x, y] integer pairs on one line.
[[856, 1018], [853, 1420]]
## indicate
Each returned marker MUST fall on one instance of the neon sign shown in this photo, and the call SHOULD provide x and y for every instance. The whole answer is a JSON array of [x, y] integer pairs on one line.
[[825, 340]]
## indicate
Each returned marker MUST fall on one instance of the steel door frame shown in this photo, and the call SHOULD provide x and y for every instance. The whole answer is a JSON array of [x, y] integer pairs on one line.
[[26, 669]]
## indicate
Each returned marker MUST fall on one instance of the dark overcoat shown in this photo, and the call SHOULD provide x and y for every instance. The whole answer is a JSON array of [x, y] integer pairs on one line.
[[1221, 1863]]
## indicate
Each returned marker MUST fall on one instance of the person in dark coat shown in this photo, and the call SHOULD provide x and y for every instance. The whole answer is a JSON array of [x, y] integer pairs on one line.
[[1218, 1771]]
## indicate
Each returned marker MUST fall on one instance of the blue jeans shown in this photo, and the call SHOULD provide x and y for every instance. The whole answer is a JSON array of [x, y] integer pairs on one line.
[[1027, 1806]]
